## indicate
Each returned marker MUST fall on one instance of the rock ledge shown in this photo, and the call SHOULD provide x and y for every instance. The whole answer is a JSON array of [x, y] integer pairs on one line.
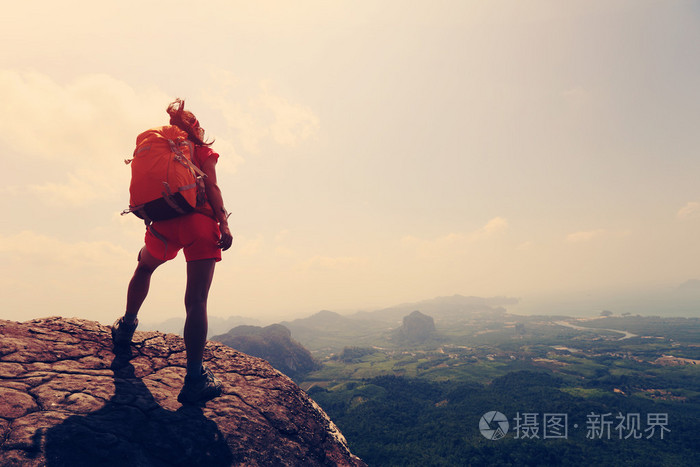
[[67, 399]]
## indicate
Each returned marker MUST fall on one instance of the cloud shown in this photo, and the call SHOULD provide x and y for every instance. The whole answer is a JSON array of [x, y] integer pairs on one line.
[[492, 227], [230, 160], [256, 114], [80, 131], [690, 211], [456, 242], [93, 118], [585, 236], [83, 187], [49, 276], [292, 123], [332, 262], [77, 133], [28, 246], [526, 246], [249, 246], [577, 97]]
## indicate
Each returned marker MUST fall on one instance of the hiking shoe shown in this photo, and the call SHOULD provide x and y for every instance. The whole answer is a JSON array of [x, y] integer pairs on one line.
[[122, 332], [200, 389]]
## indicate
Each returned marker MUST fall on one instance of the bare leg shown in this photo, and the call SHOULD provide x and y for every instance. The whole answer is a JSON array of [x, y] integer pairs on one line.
[[140, 283], [199, 276]]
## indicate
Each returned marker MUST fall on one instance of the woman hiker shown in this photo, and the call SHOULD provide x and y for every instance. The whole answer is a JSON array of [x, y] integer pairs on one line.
[[202, 235]]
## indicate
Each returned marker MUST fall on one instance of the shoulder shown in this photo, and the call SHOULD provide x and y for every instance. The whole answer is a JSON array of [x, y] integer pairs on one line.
[[202, 153]]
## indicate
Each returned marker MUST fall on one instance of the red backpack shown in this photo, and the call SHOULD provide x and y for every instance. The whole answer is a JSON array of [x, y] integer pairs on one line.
[[165, 183]]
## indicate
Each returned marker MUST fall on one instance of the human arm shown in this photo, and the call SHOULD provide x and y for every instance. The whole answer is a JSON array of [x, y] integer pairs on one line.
[[217, 202]]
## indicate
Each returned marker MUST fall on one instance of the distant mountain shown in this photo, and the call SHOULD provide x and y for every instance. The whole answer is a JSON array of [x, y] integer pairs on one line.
[[273, 343], [327, 329], [691, 285], [329, 332], [169, 326], [217, 325], [455, 308], [416, 328], [324, 319]]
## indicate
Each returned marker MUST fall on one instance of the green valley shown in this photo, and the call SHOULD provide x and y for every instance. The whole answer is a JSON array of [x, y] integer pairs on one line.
[[625, 389]]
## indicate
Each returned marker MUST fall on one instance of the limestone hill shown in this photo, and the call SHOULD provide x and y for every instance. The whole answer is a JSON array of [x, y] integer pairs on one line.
[[273, 343], [66, 399], [416, 328]]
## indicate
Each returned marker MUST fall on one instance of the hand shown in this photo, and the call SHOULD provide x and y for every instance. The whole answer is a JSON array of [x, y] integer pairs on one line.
[[226, 239]]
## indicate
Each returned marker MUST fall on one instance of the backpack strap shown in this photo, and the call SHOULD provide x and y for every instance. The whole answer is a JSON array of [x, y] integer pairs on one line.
[[140, 212], [183, 160], [169, 197], [158, 235]]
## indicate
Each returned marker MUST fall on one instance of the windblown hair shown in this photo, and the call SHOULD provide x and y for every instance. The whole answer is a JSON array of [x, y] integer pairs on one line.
[[186, 121]]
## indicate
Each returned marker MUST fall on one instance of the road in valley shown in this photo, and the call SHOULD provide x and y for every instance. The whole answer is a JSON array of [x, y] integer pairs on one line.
[[626, 335]]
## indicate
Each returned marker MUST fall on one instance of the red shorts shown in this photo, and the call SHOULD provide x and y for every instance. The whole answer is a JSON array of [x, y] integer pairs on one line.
[[196, 233]]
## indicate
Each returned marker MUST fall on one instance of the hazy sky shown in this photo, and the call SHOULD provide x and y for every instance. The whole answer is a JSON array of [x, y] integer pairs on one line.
[[372, 152]]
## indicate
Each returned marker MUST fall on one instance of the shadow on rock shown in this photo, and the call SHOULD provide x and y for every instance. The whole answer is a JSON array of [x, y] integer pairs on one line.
[[133, 429]]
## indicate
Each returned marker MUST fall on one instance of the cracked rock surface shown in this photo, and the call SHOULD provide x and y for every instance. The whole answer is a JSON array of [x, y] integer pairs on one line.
[[66, 399]]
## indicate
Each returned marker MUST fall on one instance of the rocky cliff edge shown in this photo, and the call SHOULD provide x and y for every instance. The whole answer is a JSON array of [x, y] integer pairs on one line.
[[67, 399]]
